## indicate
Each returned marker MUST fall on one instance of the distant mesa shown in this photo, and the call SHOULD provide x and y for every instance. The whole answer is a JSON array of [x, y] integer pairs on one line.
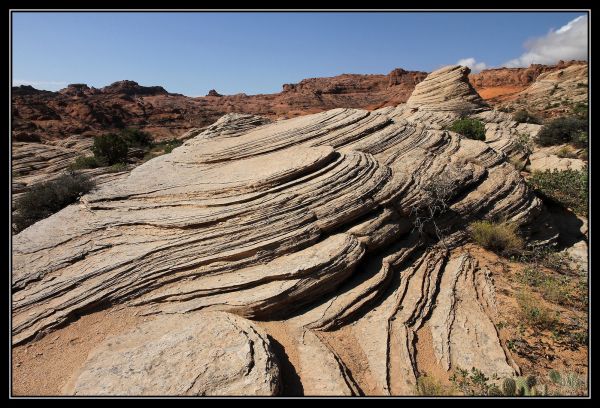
[[133, 88], [213, 92], [27, 90]]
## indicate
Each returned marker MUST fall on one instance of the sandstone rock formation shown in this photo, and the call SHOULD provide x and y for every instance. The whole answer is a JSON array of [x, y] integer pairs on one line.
[[447, 89], [198, 354], [547, 158], [346, 221], [553, 93], [80, 109]]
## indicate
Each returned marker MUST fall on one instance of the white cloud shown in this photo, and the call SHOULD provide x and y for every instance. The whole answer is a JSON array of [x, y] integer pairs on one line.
[[473, 64], [568, 42], [48, 85]]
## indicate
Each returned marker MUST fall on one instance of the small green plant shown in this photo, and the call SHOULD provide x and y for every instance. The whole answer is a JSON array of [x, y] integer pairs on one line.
[[85, 162], [429, 386], [566, 152], [523, 116], [117, 168], [568, 188], [568, 384], [524, 143], [471, 383], [533, 313], [136, 138], [499, 237], [562, 130], [47, 198], [110, 149], [580, 110], [554, 89], [470, 128], [509, 387], [169, 145], [555, 376]]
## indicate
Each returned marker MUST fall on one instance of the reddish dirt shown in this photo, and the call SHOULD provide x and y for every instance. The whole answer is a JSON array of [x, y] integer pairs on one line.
[[43, 367]]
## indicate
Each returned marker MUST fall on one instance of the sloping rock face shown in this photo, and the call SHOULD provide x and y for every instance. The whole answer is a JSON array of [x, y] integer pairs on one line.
[[342, 220], [447, 89], [553, 92], [211, 353]]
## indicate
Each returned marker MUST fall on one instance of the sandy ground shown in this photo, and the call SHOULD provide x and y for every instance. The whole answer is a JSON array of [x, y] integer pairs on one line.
[[499, 91], [43, 367]]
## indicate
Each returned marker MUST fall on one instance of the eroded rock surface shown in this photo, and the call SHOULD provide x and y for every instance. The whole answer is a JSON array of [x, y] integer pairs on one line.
[[325, 221], [198, 354]]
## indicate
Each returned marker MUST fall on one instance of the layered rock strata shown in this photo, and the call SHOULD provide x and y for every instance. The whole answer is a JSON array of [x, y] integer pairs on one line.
[[342, 220]]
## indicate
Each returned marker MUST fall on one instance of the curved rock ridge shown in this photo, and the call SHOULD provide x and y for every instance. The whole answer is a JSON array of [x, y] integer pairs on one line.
[[325, 221], [211, 353], [447, 89], [215, 207]]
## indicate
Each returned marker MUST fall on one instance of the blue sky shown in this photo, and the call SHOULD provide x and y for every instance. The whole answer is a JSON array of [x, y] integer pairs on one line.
[[191, 53]]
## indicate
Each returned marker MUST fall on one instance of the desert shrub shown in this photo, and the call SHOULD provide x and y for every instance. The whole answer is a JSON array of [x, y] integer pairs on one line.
[[168, 145], [470, 128], [580, 110], [568, 188], [562, 130], [430, 386], [499, 237], [85, 162], [533, 313], [136, 138], [509, 387], [110, 149], [524, 143], [472, 382], [580, 140], [523, 116], [568, 384], [117, 167], [47, 198]]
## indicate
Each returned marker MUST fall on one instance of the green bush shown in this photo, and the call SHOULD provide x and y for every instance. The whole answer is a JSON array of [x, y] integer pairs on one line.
[[562, 130], [498, 237], [509, 387], [47, 198], [567, 187], [136, 138], [110, 149], [118, 167], [580, 110], [523, 116], [169, 145], [85, 162], [470, 128], [533, 313]]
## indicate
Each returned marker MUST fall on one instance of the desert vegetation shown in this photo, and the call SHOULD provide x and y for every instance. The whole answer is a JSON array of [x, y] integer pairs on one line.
[[523, 116], [568, 188], [501, 237], [470, 128], [113, 149], [571, 129], [47, 198]]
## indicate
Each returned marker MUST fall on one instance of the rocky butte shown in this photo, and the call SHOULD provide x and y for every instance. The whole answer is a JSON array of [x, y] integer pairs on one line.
[[279, 257]]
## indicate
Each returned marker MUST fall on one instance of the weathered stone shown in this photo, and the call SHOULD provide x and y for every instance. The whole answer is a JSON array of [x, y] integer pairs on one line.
[[211, 353]]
